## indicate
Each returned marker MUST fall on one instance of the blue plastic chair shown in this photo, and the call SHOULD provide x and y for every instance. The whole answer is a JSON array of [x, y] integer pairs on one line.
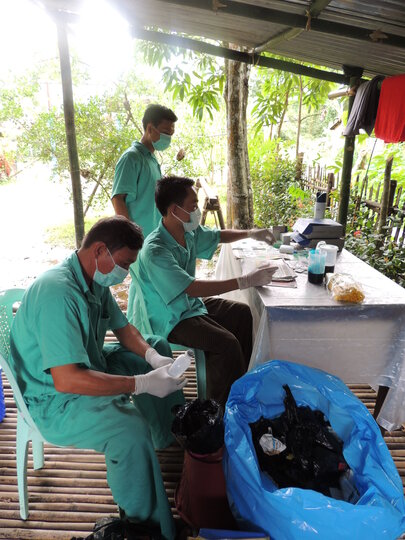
[[26, 429], [145, 327]]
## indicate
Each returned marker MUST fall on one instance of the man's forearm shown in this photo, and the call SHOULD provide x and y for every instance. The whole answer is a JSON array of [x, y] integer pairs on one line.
[[120, 207], [72, 379], [132, 339], [232, 235], [207, 287]]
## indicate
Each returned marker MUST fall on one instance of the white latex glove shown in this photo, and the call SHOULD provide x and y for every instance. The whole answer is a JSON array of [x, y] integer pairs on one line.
[[156, 360], [264, 235], [257, 278], [158, 383]]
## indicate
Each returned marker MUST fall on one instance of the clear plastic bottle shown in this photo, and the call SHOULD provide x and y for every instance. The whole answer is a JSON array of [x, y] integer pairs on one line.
[[181, 363]]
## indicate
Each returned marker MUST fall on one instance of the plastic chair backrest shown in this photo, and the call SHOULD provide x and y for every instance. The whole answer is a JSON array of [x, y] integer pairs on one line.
[[142, 322], [7, 300]]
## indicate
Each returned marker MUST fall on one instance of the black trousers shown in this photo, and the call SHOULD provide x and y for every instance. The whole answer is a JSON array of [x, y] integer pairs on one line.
[[225, 335]]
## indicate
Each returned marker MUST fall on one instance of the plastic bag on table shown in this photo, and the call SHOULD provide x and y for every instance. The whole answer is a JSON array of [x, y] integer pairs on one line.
[[290, 513], [344, 288], [198, 426]]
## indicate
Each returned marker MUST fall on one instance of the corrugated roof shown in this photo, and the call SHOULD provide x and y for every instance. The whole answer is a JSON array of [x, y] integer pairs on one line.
[[364, 33]]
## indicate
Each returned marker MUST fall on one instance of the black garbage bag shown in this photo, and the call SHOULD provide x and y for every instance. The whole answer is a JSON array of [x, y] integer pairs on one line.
[[198, 426], [114, 528], [309, 454]]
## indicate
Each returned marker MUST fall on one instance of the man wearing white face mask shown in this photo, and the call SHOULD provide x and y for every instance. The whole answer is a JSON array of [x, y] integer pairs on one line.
[[136, 174], [138, 170], [79, 391], [183, 308]]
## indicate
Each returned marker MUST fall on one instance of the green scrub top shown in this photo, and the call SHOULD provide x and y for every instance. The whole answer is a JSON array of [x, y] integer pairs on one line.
[[166, 269], [136, 174], [60, 321]]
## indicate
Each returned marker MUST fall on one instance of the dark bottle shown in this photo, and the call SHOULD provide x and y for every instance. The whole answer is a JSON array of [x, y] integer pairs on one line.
[[329, 269], [316, 279]]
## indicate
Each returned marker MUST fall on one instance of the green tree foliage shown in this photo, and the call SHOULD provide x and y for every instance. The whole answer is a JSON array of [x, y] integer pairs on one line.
[[194, 77], [106, 125], [374, 167], [277, 196], [275, 91], [378, 250]]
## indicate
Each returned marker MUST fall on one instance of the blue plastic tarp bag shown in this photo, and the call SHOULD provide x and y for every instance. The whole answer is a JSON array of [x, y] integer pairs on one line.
[[294, 513]]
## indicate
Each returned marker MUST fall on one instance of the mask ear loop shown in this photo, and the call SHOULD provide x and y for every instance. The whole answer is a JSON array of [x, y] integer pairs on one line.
[[178, 219], [109, 253]]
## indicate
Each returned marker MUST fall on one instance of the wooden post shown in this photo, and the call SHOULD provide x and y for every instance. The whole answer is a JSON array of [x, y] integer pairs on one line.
[[298, 166], [385, 195], [331, 183], [68, 109], [355, 73]]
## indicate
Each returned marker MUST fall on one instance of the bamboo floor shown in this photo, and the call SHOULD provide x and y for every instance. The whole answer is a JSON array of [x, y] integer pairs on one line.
[[70, 493]]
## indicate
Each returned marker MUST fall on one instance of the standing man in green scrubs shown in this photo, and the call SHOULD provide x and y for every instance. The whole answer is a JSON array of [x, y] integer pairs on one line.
[[117, 399], [136, 174], [184, 309]]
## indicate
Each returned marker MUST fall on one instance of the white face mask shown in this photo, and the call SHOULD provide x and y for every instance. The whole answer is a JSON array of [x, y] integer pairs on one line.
[[195, 217], [117, 275]]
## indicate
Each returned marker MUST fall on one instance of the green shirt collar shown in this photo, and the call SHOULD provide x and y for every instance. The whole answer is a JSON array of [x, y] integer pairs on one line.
[[77, 271], [168, 238], [143, 150]]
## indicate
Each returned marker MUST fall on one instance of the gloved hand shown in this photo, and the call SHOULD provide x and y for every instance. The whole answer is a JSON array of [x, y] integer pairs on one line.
[[257, 278], [264, 235], [158, 383], [156, 360]]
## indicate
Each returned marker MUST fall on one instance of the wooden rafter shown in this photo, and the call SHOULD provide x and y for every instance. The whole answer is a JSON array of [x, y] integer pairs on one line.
[[314, 10], [292, 20]]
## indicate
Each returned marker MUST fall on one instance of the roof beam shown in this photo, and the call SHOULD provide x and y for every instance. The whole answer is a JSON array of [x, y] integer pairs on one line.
[[173, 40], [239, 56], [292, 20], [290, 33]]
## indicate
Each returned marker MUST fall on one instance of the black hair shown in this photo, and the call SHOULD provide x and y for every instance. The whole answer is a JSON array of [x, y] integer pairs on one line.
[[116, 232], [171, 189], [156, 113]]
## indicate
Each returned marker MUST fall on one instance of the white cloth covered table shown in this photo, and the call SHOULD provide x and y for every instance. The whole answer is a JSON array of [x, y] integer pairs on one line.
[[360, 343]]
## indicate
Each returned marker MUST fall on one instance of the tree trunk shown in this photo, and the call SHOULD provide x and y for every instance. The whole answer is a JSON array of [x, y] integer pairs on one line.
[[240, 199], [297, 145], [280, 124]]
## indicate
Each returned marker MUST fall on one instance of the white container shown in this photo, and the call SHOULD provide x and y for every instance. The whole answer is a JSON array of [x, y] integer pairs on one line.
[[286, 238], [331, 255], [181, 363], [277, 230], [286, 249]]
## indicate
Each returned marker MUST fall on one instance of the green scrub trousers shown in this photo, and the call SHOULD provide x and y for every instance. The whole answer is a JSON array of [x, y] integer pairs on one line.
[[126, 433]]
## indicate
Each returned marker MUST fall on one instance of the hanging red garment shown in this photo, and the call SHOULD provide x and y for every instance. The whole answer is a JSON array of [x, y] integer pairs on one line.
[[390, 122]]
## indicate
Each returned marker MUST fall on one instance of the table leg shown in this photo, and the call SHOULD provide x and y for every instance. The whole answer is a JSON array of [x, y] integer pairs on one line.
[[381, 395]]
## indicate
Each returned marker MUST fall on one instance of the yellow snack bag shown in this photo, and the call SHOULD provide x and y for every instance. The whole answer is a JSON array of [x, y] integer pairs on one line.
[[344, 288]]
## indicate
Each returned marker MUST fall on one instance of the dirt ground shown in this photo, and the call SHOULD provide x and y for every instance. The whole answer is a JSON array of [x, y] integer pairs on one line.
[[30, 205]]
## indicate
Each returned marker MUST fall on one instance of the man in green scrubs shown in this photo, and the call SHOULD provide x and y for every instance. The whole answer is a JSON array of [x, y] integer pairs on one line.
[[136, 174], [116, 400], [172, 295]]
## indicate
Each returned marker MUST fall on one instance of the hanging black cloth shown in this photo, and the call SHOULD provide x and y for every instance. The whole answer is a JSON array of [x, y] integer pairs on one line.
[[364, 109]]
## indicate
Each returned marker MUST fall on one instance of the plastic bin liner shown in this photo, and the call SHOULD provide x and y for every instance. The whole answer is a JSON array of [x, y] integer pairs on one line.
[[290, 513], [198, 425]]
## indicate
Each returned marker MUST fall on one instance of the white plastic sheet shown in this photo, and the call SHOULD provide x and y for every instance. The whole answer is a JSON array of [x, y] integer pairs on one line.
[[360, 343]]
